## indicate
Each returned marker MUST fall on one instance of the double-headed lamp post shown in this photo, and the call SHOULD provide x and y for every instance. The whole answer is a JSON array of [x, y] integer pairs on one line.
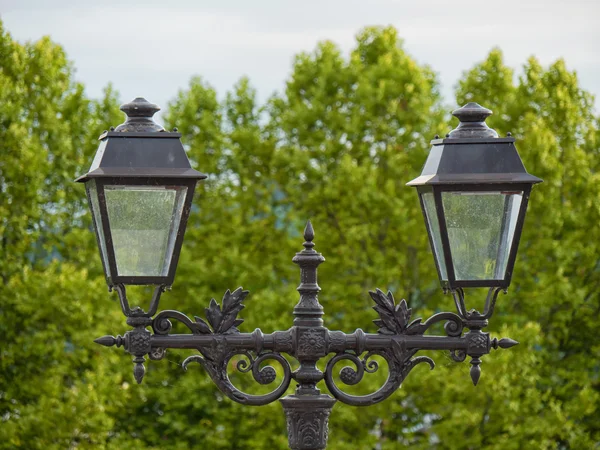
[[473, 191]]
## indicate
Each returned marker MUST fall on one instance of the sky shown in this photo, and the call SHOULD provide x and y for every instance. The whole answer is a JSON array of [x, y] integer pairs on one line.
[[152, 48]]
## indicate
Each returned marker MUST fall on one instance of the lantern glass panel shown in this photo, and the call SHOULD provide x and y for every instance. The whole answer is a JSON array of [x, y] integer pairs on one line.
[[481, 228], [144, 222], [434, 229], [92, 192]]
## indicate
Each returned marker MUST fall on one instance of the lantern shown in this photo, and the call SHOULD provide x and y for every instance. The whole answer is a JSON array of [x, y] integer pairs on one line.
[[474, 191], [140, 188]]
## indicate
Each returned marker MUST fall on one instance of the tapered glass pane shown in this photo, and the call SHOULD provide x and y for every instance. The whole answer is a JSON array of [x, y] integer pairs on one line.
[[434, 230], [144, 221], [92, 192], [481, 227]]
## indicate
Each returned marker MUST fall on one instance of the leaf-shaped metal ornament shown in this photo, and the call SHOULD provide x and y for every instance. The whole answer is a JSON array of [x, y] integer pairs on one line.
[[202, 326], [386, 301], [234, 329], [214, 315], [415, 323], [393, 319], [228, 298], [387, 317], [223, 320], [232, 299], [402, 315], [228, 319], [232, 305], [384, 305], [379, 323]]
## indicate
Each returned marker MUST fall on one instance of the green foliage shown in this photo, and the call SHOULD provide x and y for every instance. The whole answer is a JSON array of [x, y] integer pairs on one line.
[[336, 146]]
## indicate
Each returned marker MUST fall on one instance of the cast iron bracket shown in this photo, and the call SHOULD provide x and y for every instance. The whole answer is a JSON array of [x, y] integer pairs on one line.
[[219, 341]]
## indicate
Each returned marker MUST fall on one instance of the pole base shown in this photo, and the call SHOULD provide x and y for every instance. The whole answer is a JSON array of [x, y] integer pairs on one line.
[[307, 418]]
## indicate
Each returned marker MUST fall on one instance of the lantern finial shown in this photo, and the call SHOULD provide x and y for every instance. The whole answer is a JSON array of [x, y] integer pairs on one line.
[[472, 122], [139, 113]]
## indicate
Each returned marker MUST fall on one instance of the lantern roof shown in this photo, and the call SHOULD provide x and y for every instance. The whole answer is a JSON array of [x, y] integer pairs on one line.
[[473, 153], [140, 147]]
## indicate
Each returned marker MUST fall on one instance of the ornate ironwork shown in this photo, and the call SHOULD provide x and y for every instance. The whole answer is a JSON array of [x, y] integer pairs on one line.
[[219, 341], [217, 369]]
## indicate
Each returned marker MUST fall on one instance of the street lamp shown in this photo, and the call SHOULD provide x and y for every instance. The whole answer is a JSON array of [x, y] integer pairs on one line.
[[473, 191], [140, 188]]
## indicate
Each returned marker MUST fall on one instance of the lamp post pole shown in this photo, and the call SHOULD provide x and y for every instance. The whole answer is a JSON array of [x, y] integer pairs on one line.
[[218, 339]]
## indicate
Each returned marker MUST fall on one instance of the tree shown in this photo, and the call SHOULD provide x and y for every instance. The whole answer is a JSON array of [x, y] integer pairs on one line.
[[548, 396], [52, 380]]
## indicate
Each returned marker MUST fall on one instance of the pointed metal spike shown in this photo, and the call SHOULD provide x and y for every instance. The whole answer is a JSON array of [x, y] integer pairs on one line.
[[309, 232], [138, 369], [503, 343], [475, 374], [507, 343], [107, 341], [138, 373], [475, 370]]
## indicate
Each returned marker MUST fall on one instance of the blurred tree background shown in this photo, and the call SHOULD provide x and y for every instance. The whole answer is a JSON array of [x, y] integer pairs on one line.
[[337, 146]]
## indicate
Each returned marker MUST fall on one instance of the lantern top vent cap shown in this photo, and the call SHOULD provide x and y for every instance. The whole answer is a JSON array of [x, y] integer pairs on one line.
[[472, 123], [139, 113]]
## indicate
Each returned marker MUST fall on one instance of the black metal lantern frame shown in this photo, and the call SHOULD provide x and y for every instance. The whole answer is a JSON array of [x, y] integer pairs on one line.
[[219, 341], [140, 154], [473, 161]]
